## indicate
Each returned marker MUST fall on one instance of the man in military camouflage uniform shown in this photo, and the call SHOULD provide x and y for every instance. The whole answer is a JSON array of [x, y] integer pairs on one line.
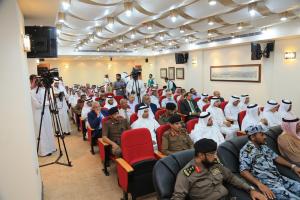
[[256, 166], [170, 111], [176, 138], [202, 178]]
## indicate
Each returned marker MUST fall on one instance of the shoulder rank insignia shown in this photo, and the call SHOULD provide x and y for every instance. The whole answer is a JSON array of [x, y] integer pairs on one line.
[[188, 171], [215, 171], [249, 148]]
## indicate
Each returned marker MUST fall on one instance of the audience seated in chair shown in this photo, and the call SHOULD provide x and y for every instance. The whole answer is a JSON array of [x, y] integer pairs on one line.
[[253, 117], [203, 176], [94, 119], [257, 167], [77, 110], [169, 99], [170, 111], [112, 130], [217, 94], [205, 128], [289, 140], [147, 102], [176, 138], [189, 107], [125, 110], [203, 101]]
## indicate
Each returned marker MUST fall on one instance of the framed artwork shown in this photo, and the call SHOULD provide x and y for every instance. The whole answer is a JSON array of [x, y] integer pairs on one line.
[[236, 73], [171, 74], [163, 72], [179, 73]]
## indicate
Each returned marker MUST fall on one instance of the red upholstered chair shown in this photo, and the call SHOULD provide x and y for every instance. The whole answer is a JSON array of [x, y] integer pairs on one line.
[[223, 104], [159, 92], [83, 128], [241, 116], [159, 113], [209, 97], [118, 98], [109, 94], [161, 98], [159, 133], [191, 124], [175, 97], [135, 167], [206, 106], [133, 118], [197, 99], [104, 151]]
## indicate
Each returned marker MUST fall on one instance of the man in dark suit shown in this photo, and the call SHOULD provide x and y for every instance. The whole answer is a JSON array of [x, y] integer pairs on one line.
[[189, 107], [94, 119], [147, 102]]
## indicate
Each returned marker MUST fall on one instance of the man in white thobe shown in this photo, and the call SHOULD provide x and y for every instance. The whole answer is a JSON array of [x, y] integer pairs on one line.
[[245, 100], [253, 117], [285, 109], [145, 121], [203, 101], [62, 109], [205, 128], [47, 144], [226, 127], [169, 99], [110, 102], [271, 113], [87, 107], [154, 98], [132, 102], [232, 109]]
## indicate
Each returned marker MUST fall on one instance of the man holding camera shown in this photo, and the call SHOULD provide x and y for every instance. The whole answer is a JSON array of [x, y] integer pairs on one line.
[[46, 144], [136, 86]]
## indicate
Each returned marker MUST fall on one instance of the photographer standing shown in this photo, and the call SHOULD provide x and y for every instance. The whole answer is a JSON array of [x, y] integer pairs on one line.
[[62, 108], [136, 86], [47, 144]]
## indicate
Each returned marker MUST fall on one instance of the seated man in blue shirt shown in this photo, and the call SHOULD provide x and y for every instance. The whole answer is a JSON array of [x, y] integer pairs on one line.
[[257, 167], [94, 120]]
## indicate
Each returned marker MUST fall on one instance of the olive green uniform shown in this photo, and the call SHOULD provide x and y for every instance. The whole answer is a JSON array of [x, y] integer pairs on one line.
[[200, 183], [172, 144]]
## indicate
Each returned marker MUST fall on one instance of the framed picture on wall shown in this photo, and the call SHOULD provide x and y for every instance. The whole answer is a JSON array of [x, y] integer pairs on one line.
[[236, 73], [171, 74], [163, 72], [179, 73]]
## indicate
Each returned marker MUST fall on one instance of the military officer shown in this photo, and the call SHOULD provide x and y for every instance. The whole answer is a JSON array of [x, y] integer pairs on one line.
[[202, 178], [170, 111], [257, 166], [176, 138]]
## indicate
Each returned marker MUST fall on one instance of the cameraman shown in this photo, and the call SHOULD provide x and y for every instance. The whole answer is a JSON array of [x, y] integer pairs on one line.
[[46, 145], [136, 86], [62, 108]]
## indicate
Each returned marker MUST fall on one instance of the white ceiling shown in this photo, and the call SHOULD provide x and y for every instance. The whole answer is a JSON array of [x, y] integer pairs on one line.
[[86, 22]]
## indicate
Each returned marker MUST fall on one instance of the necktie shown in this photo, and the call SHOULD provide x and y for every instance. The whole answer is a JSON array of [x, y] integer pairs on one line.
[[192, 107]]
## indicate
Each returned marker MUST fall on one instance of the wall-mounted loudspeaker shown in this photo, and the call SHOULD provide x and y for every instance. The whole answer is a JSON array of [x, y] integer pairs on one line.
[[146, 60]]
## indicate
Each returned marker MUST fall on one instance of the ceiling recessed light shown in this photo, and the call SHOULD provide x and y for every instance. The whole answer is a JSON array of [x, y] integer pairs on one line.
[[240, 27], [210, 22], [283, 18], [65, 5], [173, 18], [252, 12], [149, 27], [212, 2], [132, 35]]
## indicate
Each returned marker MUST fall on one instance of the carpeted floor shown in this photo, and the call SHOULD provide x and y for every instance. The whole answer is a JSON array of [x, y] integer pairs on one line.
[[85, 179]]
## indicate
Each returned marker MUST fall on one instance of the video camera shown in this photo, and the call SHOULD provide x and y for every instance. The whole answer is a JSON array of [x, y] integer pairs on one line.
[[47, 76], [135, 73]]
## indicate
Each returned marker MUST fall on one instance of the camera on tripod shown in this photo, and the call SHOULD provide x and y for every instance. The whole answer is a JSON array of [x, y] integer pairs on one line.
[[47, 76], [136, 72]]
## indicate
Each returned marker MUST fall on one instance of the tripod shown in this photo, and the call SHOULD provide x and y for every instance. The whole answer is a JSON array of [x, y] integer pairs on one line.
[[56, 125]]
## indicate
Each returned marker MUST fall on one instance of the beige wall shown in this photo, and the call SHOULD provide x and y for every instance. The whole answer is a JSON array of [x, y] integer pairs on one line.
[[279, 77], [19, 171], [93, 71]]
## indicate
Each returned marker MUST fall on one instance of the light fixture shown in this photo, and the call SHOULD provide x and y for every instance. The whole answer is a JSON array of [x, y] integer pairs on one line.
[[26, 43], [186, 39], [121, 39], [61, 17], [125, 47], [251, 9], [65, 4], [98, 30], [149, 27], [146, 41], [264, 30], [76, 49], [209, 33], [210, 22], [173, 17], [132, 35], [118, 50], [91, 38], [128, 8], [181, 30], [110, 21], [283, 17], [98, 48], [232, 35], [161, 37], [170, 43], [212, 2], [79, 47], [240, 27], [289, 55]]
